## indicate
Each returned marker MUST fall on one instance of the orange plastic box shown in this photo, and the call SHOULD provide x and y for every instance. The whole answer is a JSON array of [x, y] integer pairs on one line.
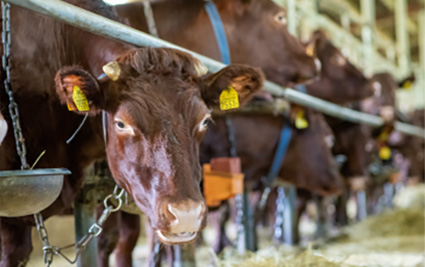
[[220, 185]]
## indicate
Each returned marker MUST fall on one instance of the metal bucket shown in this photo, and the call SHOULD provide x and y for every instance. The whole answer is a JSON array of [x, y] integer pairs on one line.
[[25, 192]]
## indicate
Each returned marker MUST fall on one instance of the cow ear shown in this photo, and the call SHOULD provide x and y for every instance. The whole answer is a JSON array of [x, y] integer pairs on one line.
[[231, 87], [299, 117], [79, 90]]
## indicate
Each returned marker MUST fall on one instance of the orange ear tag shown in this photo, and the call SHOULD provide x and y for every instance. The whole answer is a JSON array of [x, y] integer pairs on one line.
[[80, 99], [70, 108], [229, 99], [300, 120], [385, 153]]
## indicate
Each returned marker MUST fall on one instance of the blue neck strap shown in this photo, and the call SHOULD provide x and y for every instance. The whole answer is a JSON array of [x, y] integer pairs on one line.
[[285, 138], [219, 32]]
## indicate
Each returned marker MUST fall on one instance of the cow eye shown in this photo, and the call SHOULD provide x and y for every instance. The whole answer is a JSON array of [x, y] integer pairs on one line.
[[280, 18], [123, 128], [203, 125]]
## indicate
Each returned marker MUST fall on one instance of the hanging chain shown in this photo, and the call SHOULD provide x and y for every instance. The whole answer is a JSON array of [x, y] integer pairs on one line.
[[280, 208], [13, 107], [94, 230]]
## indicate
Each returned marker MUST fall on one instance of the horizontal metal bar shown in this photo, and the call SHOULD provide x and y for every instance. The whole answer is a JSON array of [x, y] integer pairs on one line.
[[97, 24]]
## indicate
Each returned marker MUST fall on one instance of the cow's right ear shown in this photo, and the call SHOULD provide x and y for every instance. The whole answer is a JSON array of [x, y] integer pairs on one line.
[[79, 90]]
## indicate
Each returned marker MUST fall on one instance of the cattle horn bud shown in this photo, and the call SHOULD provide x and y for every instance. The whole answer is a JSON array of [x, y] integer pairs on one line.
[[112, 70], [201, 69]]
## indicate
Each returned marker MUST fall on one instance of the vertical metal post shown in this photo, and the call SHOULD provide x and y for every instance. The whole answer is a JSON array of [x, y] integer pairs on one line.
[[368, 14], [184, 256], [402, 34], [85, 216], [250, 242], [421, 34], [291, 11], [361, 205], [289, 227], [389, 195]]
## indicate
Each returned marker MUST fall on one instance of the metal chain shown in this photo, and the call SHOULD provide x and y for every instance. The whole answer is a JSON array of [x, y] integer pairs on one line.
[[94, 230], [13, 106], [280, 207]]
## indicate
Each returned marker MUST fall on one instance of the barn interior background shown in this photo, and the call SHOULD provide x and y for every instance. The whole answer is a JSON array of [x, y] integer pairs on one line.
[[380, 35]]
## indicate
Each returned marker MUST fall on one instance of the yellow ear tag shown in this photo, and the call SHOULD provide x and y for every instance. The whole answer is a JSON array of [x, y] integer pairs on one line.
[[229, 99], [385, 153], [384, 136], [310, 50], [300, 121], [80, 99], [407, 85]]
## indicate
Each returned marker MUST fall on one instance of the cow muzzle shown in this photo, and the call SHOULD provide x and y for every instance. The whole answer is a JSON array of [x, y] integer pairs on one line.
[[185, 221]]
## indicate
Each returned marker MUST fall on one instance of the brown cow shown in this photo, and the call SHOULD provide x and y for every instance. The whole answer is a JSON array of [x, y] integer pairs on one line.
[[340, 81], [256, 32], [156, 105]]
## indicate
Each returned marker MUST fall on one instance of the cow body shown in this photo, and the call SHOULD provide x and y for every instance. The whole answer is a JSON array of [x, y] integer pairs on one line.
[[154, 105]]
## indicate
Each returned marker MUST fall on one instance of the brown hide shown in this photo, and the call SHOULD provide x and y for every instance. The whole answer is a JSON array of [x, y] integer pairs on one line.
[[256, 32], [340, 81], [155, 115], [308, 162]]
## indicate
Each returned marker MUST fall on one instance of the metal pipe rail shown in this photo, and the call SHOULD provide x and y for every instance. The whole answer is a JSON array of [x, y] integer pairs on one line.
[[97, 24]]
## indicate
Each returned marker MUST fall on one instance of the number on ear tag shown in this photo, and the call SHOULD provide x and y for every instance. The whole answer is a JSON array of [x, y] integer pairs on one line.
[[229, 99], [385, 153], [300, 120], [80, 99]]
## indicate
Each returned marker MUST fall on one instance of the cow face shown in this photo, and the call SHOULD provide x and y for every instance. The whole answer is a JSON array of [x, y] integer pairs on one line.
[[311, 165], [340, 82], [355, 142], [382, 103], [156, 108], [268, 45]]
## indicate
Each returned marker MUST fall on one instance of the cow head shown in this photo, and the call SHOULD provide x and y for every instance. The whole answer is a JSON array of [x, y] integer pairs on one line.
[[157, 107], [340, 81], [355, 142], [383, 102], [268, 45], [311, 165]]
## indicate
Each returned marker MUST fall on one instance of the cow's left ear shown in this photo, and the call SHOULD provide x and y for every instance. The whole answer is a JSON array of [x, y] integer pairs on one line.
[[79, 90], [231, 87]]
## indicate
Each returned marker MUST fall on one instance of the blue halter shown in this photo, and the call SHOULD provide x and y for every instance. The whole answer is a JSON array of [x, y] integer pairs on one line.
[[279, 156], [285, 135], [219, 32]]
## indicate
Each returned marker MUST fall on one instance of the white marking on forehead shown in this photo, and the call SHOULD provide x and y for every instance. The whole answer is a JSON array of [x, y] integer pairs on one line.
[[156, 156], [202, 125]]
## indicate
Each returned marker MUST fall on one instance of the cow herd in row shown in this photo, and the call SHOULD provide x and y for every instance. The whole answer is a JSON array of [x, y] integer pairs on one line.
[[156, 105]]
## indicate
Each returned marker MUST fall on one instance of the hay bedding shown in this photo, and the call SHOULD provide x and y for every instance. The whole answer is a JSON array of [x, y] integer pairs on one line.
[[394, 238]]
